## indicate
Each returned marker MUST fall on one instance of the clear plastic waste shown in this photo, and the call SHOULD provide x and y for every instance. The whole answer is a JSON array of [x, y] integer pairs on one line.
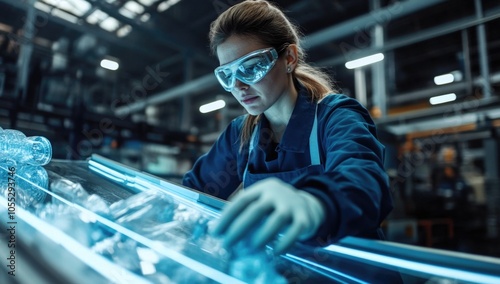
[[164, 220], [34, 150], [182, 228], [22, 183], [75, 193]]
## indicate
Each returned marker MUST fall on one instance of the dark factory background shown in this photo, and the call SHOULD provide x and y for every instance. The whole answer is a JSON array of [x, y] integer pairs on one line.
[[126, 79]]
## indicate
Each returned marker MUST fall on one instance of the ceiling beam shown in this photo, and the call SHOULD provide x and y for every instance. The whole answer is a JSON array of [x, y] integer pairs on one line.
[[196, 86], [156, 34], [427, 34], [360, 24], [423, 94], [84, 29], [187, 89]]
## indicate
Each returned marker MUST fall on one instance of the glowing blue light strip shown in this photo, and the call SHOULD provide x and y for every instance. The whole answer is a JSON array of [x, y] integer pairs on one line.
[[182, 195], [189, 194], [106, 268], [300, 260], [196, 266], [112, 177], [180, 198], [420, 268], [108, 170]]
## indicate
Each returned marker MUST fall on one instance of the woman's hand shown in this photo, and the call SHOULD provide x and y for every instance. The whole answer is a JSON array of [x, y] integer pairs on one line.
[[296, 213]]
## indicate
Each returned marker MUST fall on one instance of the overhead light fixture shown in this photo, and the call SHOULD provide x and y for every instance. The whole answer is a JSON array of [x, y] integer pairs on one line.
[[364, 61], [443, 99], [145, 17], [212, 106], [444, 79], [76, 7], [134, 7], [127, 13], [147, 2], [64, 15], [110, 24], [166, 5], [123, 31], [96, 17], [42, 7], [109, 64]]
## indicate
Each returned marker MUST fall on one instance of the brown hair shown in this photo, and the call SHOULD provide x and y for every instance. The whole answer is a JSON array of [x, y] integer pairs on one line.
[[267, 23]]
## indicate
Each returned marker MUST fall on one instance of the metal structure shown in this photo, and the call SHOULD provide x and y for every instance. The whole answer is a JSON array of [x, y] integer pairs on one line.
[[147, 33]]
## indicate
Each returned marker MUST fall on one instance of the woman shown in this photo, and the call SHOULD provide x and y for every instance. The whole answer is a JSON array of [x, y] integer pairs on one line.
[[308, 158]]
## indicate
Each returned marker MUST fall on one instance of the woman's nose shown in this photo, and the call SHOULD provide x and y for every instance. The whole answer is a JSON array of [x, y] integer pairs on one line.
[[240, 85]]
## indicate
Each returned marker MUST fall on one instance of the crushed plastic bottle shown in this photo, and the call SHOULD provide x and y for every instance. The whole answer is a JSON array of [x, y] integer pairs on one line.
[[23, 183], [75, 193], [34, 150]]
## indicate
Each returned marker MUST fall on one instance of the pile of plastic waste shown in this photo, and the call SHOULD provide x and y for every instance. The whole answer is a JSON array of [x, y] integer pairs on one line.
[[152, 234]]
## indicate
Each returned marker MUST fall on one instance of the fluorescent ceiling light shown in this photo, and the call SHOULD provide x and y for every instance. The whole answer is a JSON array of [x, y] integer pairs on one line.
[[443, 99], [52, 2], [147, 2], [63, 15], [444, 79], [123, 31], [457, 74], [42, 7], [212, 106], [364, 61], [134, 7], [109, 64], [110, 24], [145, 17], [76, 7], [96, 17], [166, 4], [127, 13]]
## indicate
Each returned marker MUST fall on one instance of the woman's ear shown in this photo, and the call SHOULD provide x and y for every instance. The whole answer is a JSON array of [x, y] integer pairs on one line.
[[292, 57]]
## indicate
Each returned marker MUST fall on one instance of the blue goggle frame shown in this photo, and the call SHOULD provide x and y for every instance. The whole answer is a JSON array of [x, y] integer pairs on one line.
[[249, 69]]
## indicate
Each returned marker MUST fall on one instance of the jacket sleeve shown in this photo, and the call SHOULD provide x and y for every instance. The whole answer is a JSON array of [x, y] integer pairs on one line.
[[216, 172], [354, 185]]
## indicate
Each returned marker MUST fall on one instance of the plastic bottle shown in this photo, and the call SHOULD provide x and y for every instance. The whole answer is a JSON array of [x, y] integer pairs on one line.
[[20, 183], [34, 150]]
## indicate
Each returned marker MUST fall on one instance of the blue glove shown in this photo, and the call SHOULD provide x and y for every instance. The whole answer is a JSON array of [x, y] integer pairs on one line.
[[296, 213]]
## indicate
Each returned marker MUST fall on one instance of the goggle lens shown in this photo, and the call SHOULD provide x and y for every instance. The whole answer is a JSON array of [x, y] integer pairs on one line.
[[249, 69]]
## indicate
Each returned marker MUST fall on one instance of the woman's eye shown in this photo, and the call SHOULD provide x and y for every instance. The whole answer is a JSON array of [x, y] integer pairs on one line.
[[251, 63]]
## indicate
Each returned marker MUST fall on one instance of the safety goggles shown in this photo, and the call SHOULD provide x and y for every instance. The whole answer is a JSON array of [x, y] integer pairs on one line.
[[249, 69]]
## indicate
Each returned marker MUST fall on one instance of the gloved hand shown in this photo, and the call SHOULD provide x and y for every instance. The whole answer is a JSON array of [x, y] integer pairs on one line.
[[297, 212]]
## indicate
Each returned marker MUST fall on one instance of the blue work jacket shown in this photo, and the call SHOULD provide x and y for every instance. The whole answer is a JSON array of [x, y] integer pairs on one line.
[[351, 180]]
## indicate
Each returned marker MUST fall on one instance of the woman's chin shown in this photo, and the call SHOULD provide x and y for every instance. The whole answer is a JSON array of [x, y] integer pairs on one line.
[[253, 110]]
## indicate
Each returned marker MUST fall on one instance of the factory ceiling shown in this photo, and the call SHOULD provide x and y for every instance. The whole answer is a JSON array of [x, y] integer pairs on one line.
[[165, 43]]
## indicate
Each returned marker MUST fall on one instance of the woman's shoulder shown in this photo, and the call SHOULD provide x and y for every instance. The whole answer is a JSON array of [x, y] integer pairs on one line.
[[238, 121], [335, 100], [341, 105], [236, 125]]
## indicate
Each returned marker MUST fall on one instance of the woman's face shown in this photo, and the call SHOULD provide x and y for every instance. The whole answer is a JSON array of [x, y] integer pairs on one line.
[[258, 97]]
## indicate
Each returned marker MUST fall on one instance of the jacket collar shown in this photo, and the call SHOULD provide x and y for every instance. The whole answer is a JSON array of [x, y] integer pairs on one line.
[[298, 130]]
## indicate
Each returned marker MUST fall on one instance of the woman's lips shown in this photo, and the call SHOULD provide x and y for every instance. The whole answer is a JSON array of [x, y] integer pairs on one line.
[[249, 100]]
